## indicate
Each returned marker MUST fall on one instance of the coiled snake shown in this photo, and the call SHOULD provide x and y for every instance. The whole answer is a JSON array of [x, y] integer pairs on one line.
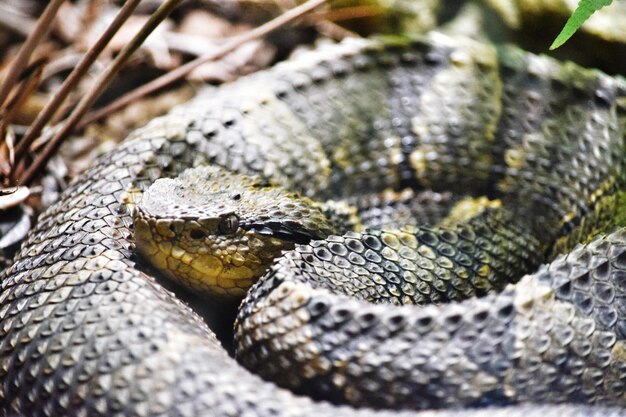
[[84, 332]]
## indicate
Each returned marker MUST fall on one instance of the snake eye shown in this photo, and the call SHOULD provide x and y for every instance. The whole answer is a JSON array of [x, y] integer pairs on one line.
[[229, 224]]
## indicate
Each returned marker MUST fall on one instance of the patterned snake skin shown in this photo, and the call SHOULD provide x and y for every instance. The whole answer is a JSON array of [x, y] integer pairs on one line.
[[85, 332]]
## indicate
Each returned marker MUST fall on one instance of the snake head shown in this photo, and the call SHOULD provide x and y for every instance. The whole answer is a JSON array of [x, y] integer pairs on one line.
[[217, 231]]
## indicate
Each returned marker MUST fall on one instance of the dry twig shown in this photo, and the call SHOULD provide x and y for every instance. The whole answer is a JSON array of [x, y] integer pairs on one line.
[[25, 175], [55, 102], [228, 47], [21, 60], [105, 78]]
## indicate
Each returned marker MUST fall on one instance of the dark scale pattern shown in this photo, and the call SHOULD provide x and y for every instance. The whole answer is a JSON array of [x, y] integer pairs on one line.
[[447, 119], [593, 281], [585, 341], [251, 132], [563, 127], [394, 210], [532, 342], [420, 265], [84, 332], [342, 101], [408, 85]]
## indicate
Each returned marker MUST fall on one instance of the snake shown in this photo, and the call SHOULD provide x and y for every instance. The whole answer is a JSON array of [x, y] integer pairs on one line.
[[518, 306]]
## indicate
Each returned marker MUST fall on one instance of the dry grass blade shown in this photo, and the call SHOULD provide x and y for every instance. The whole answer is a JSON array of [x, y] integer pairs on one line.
[[105, 78], [21, 60], [172, 76], [55, 102]]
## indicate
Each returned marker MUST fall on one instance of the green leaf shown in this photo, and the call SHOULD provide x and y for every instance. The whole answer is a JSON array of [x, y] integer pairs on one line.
[[584, 10]]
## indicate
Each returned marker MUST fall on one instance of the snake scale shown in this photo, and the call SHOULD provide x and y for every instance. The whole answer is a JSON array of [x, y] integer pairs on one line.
[[85, 332]]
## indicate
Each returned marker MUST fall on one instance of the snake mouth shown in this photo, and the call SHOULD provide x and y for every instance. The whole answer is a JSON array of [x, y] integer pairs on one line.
[[293, 233]]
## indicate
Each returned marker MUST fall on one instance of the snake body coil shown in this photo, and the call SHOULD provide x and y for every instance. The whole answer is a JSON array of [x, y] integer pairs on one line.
[[84, 332]]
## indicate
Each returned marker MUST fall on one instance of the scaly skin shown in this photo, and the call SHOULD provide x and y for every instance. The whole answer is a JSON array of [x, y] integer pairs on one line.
[[85, 332]]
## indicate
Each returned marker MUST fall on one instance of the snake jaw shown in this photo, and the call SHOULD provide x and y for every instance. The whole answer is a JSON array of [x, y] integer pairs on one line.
[[199, 257]]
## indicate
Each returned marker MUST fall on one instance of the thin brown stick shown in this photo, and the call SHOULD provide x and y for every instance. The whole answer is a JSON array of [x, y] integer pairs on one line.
[[347, 13], [42, 28], [105, 78], [61, 94], [180, 72]]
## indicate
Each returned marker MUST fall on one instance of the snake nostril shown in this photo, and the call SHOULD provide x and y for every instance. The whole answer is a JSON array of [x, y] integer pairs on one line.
[[197, 234]]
